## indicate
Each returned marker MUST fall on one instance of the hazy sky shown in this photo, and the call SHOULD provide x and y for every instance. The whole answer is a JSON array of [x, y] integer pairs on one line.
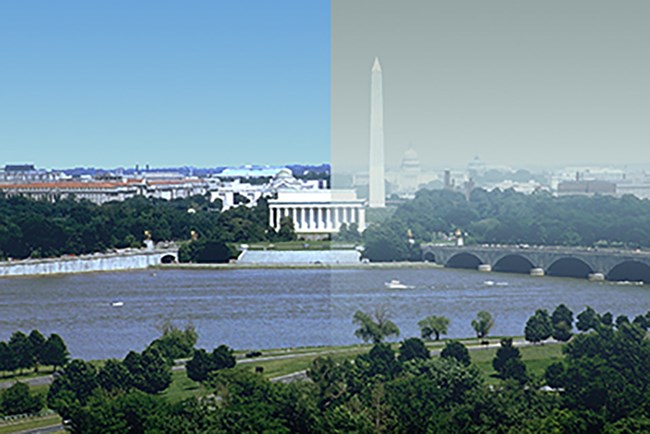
[[513, 82], [206, 83]]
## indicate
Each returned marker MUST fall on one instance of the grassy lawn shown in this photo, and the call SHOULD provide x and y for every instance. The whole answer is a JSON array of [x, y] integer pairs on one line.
[[29, 424], [536, 358], [182, 388], [13, 376], [277, 368]]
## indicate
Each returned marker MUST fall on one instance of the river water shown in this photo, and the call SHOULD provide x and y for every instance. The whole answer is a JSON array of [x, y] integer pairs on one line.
[[271, 308]]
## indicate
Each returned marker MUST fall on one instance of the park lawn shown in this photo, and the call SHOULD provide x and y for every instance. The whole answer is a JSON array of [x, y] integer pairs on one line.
[[536, 357], [182, 388], [30, 424], [43, 371], [278, 368]]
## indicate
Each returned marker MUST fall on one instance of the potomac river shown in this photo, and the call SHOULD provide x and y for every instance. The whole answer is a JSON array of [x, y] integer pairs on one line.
[[104, 315]]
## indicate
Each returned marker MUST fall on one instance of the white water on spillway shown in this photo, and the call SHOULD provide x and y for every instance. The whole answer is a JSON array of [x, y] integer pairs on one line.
[[103, 315]]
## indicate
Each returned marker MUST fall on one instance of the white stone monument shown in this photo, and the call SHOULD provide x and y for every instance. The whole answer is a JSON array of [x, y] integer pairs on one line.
[[376, 193]]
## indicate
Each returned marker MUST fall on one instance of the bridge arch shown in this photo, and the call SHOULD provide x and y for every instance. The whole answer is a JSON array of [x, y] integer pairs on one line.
[[570, 267], [513, 263], [168, 258], [631, 271], [429, 257], [464, 260]]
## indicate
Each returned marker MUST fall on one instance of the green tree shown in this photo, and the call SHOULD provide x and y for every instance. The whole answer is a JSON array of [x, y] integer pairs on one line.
[[587, 319], [21, 347], [222, 357], [174, 342], [115, 377], [482, 324], [385, 243], [8, 360], [457, 351], [374, 329], [553, 375], [150, 371], [538, 327], [413, 349], [507, 362], [54, 353], [37, 342], [433, 325], [562, 314], [17, 400], [199, 366], [562, 319], [606, 319], [608, 372], [379, 361], [286, 231], [202, 363], [331, 379], [72, 388]]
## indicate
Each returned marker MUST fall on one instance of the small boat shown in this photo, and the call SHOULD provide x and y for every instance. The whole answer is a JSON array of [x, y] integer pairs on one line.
[[117, 304], [396, 284], [489, 283]]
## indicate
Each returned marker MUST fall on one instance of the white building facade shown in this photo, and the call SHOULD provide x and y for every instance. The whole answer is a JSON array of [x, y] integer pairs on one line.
[[317, 212]]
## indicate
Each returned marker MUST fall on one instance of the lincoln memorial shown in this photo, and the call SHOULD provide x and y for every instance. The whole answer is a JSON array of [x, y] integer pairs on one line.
[[317, 212]]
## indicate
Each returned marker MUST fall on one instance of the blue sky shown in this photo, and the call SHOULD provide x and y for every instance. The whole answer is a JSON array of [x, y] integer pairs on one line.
[[167, 83]]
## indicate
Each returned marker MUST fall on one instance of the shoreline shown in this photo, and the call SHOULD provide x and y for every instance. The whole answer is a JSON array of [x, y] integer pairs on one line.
[[342, 266]]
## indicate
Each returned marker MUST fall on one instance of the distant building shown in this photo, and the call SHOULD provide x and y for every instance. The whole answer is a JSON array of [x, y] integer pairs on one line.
[[410, 171], [317, 213], [96, 192], [22, 173], [586, 188], [233, 193]]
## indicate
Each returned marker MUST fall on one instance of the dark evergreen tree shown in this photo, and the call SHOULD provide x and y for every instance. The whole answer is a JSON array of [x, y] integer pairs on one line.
[[72, 388], [538, 327], [507, 362], [457, 351], [587, 319], [114, 376], [37, 342], [199, 366], [54, 352], [21, 347], [17, 399], [413, 349], [8, 359]]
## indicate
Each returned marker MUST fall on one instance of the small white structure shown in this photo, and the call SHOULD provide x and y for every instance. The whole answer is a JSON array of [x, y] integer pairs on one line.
[[317, 212], [283, 179]]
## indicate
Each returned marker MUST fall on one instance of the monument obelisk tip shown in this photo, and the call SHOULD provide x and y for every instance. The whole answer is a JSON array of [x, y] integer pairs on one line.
[[376, 66]]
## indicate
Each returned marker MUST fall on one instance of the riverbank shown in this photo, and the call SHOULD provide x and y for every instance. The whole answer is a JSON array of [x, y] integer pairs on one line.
[[123, 260], [359, 265]]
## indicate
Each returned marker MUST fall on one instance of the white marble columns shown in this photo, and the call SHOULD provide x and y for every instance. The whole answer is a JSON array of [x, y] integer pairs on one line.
[[318, 218]]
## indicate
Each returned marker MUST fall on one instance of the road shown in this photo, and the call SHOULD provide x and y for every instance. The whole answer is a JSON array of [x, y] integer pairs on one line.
[[47, 379]]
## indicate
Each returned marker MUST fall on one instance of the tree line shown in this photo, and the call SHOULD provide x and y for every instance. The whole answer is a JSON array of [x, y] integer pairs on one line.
[[36, 229], [31, 351], [508, 217], [601, 385]]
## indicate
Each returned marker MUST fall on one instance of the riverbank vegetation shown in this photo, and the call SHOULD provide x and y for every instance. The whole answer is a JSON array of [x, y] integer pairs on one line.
[[596, 382], [508, 217], [39, 229]]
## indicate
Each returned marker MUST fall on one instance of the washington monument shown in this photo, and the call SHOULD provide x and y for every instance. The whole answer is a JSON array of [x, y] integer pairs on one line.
[[376, 194]]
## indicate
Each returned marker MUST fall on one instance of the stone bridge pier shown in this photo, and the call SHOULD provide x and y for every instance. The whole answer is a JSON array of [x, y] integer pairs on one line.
[[615, 265]]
